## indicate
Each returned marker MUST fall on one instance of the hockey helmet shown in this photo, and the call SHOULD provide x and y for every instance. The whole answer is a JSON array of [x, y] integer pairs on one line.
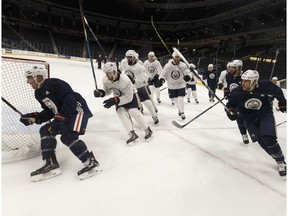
[[109, 67], [36, 71], [151, 53]]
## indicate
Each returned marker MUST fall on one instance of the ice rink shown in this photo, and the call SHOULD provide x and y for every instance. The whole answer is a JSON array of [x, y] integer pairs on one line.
[[203, 169]]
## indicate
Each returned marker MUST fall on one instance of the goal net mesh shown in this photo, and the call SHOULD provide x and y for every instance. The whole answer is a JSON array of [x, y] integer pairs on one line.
[[19, 142]]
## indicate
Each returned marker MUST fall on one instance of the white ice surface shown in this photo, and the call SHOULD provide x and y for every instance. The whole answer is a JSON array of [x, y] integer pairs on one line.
[[200, 170]]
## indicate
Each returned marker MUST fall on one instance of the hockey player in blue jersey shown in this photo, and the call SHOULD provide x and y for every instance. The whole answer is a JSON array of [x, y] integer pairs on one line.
[[233, 80], [252, 101], [69, 114], [210, 75]]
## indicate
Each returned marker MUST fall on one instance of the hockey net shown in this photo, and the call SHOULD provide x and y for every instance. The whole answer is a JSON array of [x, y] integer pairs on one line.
[[19, 142]]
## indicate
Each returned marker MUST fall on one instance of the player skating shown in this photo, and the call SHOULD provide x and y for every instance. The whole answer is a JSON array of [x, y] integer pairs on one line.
[[138, 76], [177, 74], [153, 68], [125, 100], [69, 114], [233, 80], [210, 75], [251, 99], [191, 86]]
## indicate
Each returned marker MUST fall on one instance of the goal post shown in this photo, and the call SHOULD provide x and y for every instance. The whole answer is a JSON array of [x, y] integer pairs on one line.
[[18, 142]]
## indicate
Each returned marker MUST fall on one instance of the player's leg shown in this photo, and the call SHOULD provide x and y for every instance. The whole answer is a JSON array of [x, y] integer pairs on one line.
[[242, 129]]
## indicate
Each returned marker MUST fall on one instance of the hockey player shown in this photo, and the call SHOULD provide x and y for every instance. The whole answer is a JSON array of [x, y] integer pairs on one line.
[[153, 68], [191, 86], [275, 81], [221, 81], [233, 80], [177, 74], [138, 76], [251, 100], [125, 100], [210, 75], [69, 113]]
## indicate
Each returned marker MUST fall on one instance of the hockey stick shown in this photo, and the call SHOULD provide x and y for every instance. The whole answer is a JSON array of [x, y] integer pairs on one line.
[[152, 22], [11, 106], [182, 126], [281, 123], [87, 42], [198, 77], [163, 88]]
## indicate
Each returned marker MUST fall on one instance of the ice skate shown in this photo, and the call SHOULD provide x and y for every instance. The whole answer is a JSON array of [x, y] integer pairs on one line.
[[188, 100], [91, 168], [210, 99], [282, 169], [158, 100], [49, 170], [133, 138], [182, 115], [155, 120], [196, 101], [148, 134], [245, 138]]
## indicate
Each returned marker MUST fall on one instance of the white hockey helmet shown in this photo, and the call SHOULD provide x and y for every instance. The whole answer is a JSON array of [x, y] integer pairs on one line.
[[251, 75], [151, 53], [36, 71], [131, 53], [109, 67], [210, 66], [191, 65], [236, 63], [275, 79]]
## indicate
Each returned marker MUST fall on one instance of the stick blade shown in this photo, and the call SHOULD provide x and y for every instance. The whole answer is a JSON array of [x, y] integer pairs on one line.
[[176, 124]]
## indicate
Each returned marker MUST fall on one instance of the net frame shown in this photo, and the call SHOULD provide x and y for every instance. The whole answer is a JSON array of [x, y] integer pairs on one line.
[[18, 142]]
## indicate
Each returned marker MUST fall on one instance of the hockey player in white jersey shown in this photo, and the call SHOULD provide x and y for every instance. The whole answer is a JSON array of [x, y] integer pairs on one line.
[[177, 74], [191, 86], [125, 100], [222, 81], [153, 69], [138, 76]]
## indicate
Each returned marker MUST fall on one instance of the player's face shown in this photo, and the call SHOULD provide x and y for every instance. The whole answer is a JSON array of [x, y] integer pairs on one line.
[[151, 58], [232, 70], [176, 59], [246, 85], [110, 75], [129, 59], [32, 82]]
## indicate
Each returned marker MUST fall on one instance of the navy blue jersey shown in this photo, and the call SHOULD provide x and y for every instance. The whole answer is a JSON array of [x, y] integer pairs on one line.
[[57, 96], [210, 76], [257, 102], [232, 81]]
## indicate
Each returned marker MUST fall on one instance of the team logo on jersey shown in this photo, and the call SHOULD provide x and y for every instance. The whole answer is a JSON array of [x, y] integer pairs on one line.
[[151, 69], [175, 74], [50, 104], [233, 86], [253, 104], [211, 75], [130, 73], [116, 92]]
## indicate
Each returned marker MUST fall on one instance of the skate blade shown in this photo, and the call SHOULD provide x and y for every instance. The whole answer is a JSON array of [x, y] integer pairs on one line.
[[90, 173], [133, 142], [41, 177]]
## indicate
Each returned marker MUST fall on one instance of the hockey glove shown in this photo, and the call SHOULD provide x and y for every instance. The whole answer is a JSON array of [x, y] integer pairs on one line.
[[57, 124], [226, 93], [187, 78], [111, 101], [220, 86], [282, 106], [99, 93], [232, 114], [162, 81], [30, 118]]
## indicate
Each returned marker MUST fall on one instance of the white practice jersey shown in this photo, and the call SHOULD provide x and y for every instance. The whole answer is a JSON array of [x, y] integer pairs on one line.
[[195, 79], [222, 78], [152, 68], [137, 72], [122, 88], [174, 74]]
